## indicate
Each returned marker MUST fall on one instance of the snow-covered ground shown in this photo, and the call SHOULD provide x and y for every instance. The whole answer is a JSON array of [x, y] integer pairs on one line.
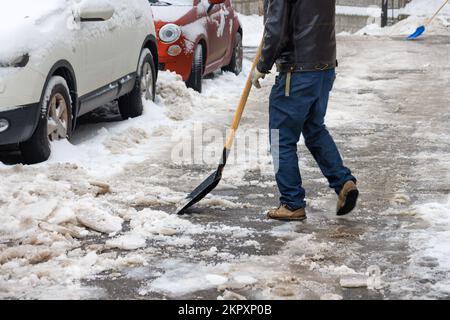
[[99, 209], [50, 209]]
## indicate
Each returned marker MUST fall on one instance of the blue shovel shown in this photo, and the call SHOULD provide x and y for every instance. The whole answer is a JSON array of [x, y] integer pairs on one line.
[[421, 29]]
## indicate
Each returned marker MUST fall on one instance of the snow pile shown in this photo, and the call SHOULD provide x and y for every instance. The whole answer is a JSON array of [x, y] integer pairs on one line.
[[72, 216], [179, 100], [419, 11], [104, 149], [404, 27], [48, 219], [425, 8], [432, 256]]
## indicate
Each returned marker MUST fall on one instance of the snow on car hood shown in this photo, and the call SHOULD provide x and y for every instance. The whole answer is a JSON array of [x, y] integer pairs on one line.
[[26, 25], [170, 13]]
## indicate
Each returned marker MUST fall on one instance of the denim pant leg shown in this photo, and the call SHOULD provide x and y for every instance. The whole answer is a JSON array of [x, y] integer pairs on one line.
[[319, 141], [286, 117]]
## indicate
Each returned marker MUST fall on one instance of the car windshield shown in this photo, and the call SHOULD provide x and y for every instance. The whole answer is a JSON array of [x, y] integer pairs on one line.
[[171, 2]]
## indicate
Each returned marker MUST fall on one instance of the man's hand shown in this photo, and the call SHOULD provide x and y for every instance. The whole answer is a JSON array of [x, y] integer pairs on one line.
[[256, 76]]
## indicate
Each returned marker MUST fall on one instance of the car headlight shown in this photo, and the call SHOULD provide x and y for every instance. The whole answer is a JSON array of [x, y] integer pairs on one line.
[[19, 62], [170, 33]]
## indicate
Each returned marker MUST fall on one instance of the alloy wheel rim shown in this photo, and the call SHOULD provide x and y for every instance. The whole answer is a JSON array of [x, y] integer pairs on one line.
[[58, 118], [147, 82]]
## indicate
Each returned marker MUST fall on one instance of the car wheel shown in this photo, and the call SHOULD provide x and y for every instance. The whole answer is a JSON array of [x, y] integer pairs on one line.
[[130, 105], [55, 122], [235, 65], [195, 79]]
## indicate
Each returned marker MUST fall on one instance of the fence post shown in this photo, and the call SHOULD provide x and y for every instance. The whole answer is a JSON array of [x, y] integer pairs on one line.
[[384, 13]]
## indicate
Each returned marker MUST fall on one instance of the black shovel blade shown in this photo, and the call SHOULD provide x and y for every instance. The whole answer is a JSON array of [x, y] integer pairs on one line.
[[204, 188], [200, 192]]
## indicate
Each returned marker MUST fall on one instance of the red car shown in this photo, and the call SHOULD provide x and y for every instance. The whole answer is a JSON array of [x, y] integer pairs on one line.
[[197, 37]]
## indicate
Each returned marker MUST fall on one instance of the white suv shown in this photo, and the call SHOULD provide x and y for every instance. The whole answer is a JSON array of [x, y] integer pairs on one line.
[[60, 59]]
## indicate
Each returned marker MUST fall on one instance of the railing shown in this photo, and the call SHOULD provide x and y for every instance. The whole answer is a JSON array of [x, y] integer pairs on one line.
[[390, 11]]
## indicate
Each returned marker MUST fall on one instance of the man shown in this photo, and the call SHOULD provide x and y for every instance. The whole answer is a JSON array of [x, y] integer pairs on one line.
[[299, 37]]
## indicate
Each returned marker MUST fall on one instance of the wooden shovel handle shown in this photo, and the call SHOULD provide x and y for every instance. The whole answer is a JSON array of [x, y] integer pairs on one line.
[[243, 100], [436, 13]]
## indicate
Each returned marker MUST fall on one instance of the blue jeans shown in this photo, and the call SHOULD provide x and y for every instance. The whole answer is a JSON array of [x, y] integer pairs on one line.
[[303, 112]]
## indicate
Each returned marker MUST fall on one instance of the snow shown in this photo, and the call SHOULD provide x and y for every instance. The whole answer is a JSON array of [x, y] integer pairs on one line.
[[253, 29], [127, 242], [86, 210], [373, 11], [192, 30], [431, 243], [221, 25], [24, 20], [419, 11], [169, 13], [425, 8], [38, 28], [97, 219]]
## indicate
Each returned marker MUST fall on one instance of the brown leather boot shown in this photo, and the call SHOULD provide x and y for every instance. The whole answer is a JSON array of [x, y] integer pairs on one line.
[[347, 198], [283, 213]]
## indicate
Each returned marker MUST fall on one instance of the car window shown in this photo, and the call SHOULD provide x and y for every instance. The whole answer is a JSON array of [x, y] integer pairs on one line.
[[172, 2]]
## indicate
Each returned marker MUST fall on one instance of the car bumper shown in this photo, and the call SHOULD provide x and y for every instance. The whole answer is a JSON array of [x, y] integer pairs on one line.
[[181, 64], [21, 123]]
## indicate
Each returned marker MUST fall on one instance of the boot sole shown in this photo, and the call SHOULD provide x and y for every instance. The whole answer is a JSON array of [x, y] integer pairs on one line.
[[350, 203], [287, 219]]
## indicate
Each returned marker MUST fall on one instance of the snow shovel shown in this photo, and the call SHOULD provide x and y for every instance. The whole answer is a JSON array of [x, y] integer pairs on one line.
[[421, 29], [213, 180]]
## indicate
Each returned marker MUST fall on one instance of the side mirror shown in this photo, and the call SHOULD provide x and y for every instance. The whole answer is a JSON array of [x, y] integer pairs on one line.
[[98, 10]]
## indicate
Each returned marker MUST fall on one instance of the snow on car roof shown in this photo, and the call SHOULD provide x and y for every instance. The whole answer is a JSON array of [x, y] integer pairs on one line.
[[32, 27], [172, 2], [19, 21]]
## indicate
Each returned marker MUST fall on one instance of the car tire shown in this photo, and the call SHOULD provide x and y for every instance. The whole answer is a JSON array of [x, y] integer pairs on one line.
[[55, 122], [130, 105], [235, 65], [195, 79]]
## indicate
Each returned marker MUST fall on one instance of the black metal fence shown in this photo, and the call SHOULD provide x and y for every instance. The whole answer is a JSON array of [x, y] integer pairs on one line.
[[390, 11]]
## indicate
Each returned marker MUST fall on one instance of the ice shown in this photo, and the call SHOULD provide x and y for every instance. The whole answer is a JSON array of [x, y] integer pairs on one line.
[[127, 242], [98, 220], [215, 279], [331, 296], [244, 279], [354, 281]]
